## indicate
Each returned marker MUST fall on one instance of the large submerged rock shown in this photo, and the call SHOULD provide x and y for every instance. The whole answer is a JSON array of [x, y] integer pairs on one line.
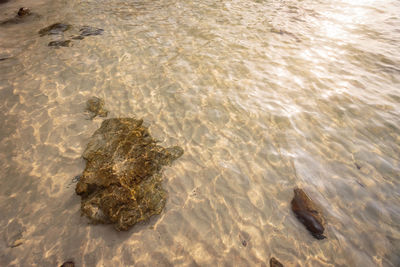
[[121, 183], [308, 213]]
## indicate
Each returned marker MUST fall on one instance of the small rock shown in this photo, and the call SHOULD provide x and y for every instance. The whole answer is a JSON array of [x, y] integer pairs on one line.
[[68, 264], [308, 213], [244, 243], [78, 37], [64, 43], [23, 11], [56, 28], [88, 31], [275, 263], [95, 106]]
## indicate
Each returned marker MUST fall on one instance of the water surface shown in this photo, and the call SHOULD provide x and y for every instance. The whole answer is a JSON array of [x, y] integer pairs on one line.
[[263, 96]]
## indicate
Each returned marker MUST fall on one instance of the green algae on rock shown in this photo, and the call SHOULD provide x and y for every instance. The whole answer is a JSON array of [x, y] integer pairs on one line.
[[95, 106], [61, 43], [23, 15], [121, 183]]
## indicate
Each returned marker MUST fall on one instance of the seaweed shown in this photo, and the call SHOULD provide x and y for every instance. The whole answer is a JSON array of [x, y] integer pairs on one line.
[[62, 43], [56, 28]]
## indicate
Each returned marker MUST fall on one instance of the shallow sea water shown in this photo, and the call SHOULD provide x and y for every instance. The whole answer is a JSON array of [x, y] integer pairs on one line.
[[263, 96]]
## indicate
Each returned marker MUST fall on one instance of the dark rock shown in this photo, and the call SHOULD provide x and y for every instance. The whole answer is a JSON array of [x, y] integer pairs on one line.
[[23, 15], [64, 43], [4, 1], [275, 263], [95, 106], [78, 37], [68, 264], [308, 213], [3, 58], [121, 183], [56, 28], [88, 31], [23, 11], [244, 243]]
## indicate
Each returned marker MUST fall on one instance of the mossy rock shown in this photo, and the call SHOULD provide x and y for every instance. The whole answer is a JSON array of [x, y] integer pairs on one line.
[[121, 183]]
